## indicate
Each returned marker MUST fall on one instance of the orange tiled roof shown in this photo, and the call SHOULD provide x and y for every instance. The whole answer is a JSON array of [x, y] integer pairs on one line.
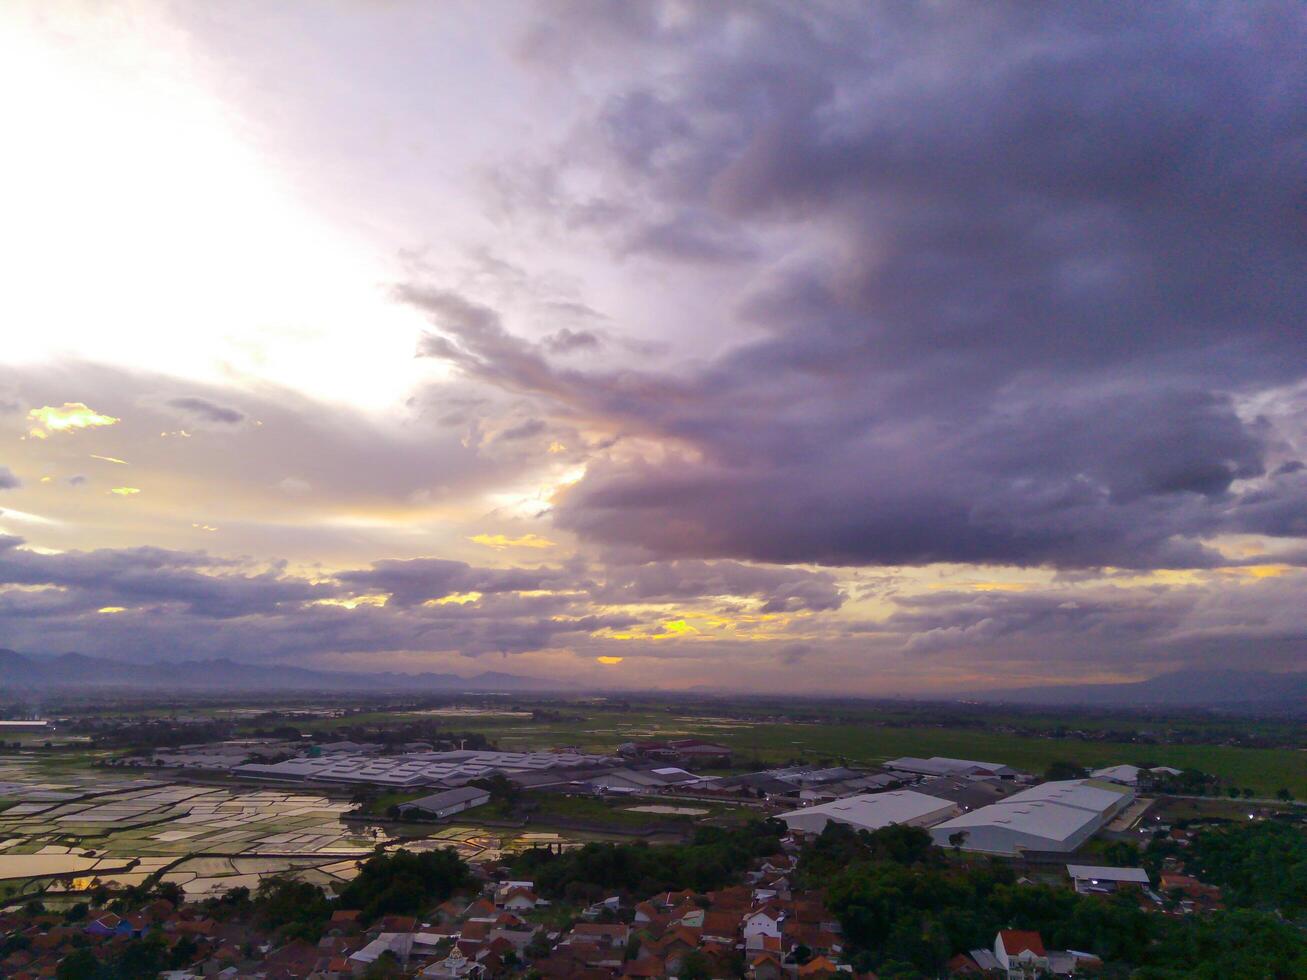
[[1016, 941]]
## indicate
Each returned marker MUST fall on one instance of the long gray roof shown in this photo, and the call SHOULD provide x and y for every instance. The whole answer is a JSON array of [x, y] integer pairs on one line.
[[451, 797]]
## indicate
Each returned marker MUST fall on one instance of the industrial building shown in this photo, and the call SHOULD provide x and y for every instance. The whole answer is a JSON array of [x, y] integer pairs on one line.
[[938, 765], [871, 811], [445, 804], [426, 768], [1055, 816], [1125, 775]]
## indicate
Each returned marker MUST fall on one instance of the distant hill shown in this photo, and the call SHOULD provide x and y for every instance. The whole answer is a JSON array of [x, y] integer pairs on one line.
[[76, 671], [1184, 687]]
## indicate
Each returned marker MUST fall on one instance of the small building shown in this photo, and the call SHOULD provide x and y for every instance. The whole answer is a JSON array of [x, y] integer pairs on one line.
[[628, 781], [1020, 953], [1125, 775], [397, 944], [440, 805], [970, 794], [985, 961], [871, 811], [693, 748], [520, 899], [1092, 879], [600, 934], [453, 967], [765, 922]]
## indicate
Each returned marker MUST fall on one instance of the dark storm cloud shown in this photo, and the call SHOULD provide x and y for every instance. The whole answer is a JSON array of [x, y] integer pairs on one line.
[[418, 580], [127, 602], [1060, 631], [207, 411], [686, 239], [523, 430], [566, 340], [779, 589], [194, 604], [1039, 257], [146, 576]]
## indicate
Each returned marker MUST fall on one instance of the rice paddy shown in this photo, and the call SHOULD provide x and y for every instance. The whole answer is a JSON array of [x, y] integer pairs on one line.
[[85, 829], [93, 829]]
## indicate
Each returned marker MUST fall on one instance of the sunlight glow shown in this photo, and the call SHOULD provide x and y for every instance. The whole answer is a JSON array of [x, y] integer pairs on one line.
[[499, 542], [132, 194], [67, 417], [454, 598], [354, 602]]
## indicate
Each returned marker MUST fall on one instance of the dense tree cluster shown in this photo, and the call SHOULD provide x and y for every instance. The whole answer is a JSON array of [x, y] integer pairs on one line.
[[906, 908], [294, 909], [1260, 866], [1065, 769], [140, 959], [405, 883], [713, 858]]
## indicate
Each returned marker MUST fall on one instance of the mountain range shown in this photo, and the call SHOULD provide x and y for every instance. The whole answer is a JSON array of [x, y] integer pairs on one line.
[[1183, 687], [76, 671]]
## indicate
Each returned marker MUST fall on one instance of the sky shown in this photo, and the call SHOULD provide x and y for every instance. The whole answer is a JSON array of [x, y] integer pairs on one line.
[[832, 347]]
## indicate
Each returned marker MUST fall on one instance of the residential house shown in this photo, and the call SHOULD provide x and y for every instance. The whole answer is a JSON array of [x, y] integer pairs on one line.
[[455, 966], [1021, 953]]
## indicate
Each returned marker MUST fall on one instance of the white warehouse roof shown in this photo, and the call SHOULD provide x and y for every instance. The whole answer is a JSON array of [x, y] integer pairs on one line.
[[1118, 774], [1083, 794], [1056, 816], [419, 768], [938, 765], [871, 811]]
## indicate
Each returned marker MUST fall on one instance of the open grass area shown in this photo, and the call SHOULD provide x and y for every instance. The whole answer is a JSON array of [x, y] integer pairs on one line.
[[381, 804], [617, 813]]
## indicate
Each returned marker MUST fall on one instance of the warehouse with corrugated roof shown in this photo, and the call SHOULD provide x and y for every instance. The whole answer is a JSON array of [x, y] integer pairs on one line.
[[1054, 816], [871, 811]]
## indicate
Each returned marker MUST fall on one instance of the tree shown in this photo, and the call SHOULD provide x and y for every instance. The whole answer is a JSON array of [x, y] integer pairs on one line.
[[538, 948], [183, 954], [404, 883], [1259, 865], [142, 958], [1065, 769], [502, 790], [80, 964], [170, 891], [1121, 853], [383, 967], [695, 966], [1283, 794], [296, 909], [957, 839]]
